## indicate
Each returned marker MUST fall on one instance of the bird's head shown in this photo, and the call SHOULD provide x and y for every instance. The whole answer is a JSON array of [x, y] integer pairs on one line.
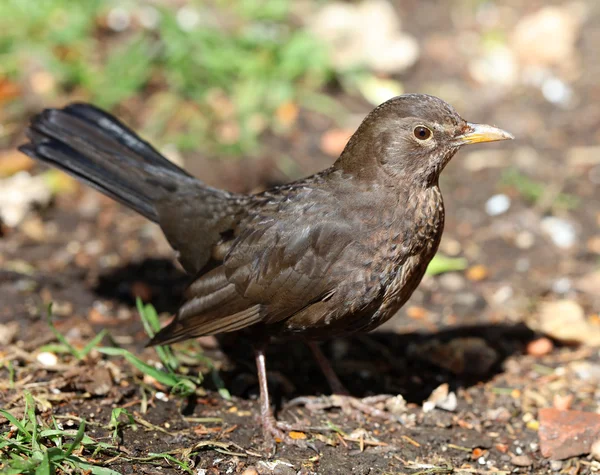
[[412, 136]]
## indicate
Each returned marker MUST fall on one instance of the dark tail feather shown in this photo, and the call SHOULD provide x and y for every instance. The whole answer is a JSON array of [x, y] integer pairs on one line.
[[100, 151]]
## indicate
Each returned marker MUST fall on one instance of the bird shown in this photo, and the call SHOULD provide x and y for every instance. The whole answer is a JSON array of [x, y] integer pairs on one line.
[[333, 254]]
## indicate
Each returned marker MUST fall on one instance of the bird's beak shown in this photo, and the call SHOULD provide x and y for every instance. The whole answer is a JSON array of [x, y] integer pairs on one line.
[[480, 133]]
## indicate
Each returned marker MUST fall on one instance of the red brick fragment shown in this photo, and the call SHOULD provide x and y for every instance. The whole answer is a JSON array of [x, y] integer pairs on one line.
[[565, 434]]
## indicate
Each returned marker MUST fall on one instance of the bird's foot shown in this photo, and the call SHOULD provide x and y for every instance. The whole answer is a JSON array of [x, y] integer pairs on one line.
[[275, 431], [354, 407]]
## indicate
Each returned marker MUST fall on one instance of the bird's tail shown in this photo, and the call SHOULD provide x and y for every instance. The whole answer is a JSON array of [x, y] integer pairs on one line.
[[100, 151]]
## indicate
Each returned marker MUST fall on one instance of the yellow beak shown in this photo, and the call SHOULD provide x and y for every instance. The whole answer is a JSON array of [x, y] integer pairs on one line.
[[480, 133]]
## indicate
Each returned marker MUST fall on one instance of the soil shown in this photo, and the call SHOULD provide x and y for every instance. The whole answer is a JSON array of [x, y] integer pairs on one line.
[[469, 330]]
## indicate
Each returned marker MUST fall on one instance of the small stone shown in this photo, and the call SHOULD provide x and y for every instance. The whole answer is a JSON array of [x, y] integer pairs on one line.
[[19, 194], [586, 371], [497, 205], [477, 273], [548, 36], [452, 281], [540, 347], [556, 91], [561, 232], [46, 358], [524, 240], [565, 434], [556, 465], [565, 320], [497, 66], [503, 295], [161, 396], [396, 405], [441, 397], [521, 460], [562, 403], [250, 471], [149, 17], [562, 285], [187, 18], [366, 33], [8, 332], [118, 19], [416, 313]]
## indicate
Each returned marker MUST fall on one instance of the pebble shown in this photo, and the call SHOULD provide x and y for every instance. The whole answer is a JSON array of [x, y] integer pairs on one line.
[[497, 205], [46, 358], [540, 347], [498, 66], [452, 281], [586, 371], [503, 294], [565, 320], [19, 194], [521, 460], [562, 285], [396, 405], [365, 33], [187, 18], [556, 91], [118, 19], [556, 465], [548, 36], [149, 17], [441, 397], [561, 232], [524, 240]]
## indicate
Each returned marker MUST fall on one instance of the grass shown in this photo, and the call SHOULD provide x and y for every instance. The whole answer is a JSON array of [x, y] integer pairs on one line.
[[40, 445], [212, 86], [32, 447]]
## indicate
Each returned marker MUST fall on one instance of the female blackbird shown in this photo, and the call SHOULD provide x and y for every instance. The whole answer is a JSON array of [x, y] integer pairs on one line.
[[335, 253]]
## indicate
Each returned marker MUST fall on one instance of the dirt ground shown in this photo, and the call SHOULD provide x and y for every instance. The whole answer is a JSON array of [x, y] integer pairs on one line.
[[472, 329]]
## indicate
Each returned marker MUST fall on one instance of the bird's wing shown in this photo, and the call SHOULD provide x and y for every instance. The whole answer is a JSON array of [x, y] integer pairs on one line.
[[287, 261], [277, 264]]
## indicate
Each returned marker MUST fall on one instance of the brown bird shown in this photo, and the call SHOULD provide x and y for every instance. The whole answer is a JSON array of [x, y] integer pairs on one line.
[[335, 253]]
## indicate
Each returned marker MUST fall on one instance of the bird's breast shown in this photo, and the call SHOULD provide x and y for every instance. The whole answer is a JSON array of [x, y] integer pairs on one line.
[[411, 242]]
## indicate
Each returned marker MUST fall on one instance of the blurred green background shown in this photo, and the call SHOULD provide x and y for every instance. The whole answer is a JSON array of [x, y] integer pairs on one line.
[[207, 76]]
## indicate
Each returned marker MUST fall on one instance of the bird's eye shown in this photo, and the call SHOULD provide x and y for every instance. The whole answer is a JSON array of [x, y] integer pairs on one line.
[[422, 133]]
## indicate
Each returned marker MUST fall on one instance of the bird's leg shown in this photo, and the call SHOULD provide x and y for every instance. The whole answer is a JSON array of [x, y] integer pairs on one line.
[[336, 386], [267, 418]]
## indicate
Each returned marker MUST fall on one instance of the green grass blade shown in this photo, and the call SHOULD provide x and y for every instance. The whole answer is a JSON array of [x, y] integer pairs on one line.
[[44, 468], [93, 343], [151, 323], [15, 422], [441, 264], [162, 377], [77, 440], [59, 336]]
